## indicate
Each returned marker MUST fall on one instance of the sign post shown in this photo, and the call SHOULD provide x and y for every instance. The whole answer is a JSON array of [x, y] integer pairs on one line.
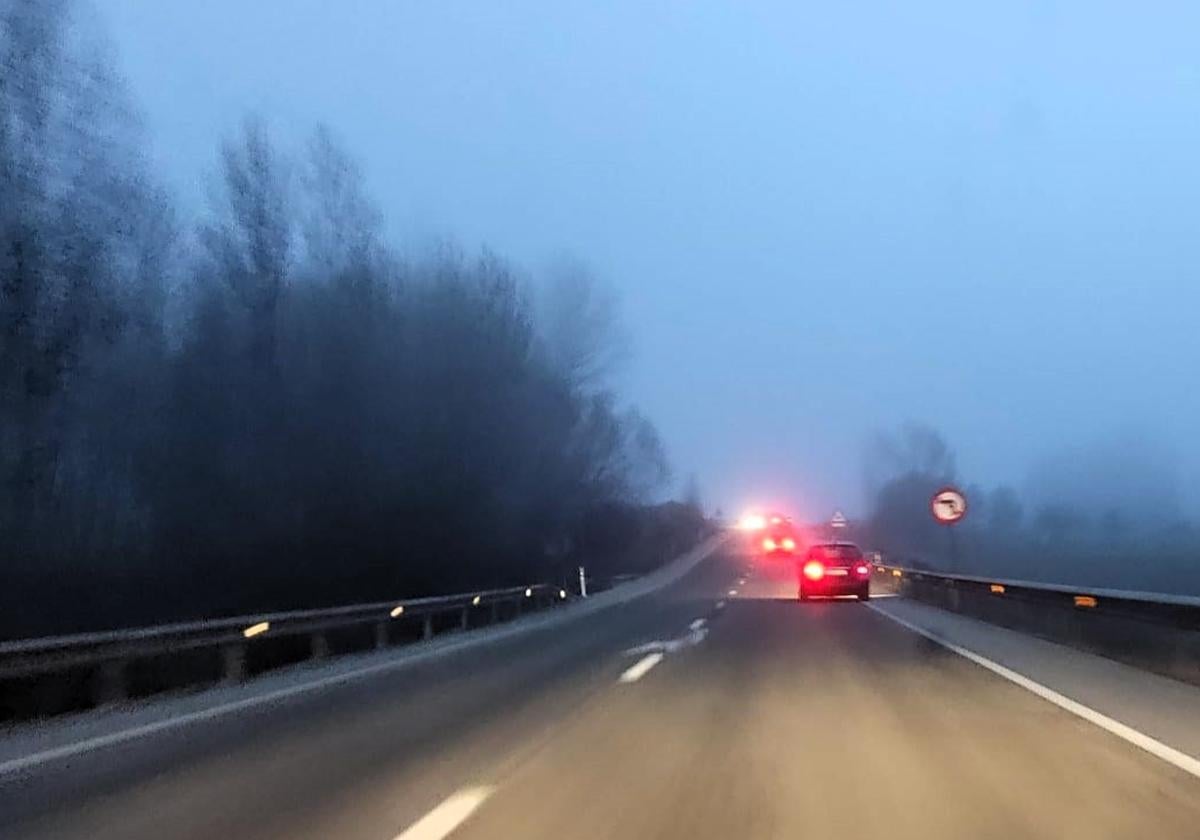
[[948, 507]]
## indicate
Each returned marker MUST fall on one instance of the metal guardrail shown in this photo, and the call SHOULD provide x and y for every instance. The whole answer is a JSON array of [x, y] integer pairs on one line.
[[1126, 600], [93, 668], [1156, 631]]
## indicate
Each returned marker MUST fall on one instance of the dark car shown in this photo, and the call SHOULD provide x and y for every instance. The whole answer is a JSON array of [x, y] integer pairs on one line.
[[834, 568], [779, 542]]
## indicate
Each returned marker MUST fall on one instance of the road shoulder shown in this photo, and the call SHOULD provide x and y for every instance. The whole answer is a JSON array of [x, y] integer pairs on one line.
[[1162, 708]]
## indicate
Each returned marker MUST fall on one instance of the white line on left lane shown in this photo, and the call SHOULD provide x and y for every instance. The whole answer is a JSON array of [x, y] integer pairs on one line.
[[639, 669], [452, 813]]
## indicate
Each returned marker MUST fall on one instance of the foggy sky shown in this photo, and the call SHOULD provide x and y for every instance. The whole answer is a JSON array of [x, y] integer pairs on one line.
[[823, 219]]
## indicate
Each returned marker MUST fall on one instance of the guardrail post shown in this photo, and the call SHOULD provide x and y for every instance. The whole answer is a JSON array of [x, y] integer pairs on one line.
[[427, 631], [110, 682], [466, 617], [233, 663], [381, 635], [318, 645]]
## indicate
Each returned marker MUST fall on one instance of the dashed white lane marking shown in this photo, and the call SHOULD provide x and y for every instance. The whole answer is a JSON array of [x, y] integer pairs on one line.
[[698, 623], [1153, 746], [452, 813], [639, 669]]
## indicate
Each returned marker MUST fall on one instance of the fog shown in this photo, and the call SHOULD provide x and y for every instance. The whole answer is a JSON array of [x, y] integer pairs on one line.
[[785, 236], [265, 404], [823, 219]]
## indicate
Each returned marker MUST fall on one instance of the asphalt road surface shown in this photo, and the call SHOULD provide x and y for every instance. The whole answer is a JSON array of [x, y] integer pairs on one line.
[[719, 707]]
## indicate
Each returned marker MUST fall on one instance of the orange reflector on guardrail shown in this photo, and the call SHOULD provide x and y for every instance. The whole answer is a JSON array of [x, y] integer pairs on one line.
[[1085, 601], [997, 588], [895, 573], [256, 629]]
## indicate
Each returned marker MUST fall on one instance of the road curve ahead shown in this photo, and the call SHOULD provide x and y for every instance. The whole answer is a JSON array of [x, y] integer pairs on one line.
[[719, 707]]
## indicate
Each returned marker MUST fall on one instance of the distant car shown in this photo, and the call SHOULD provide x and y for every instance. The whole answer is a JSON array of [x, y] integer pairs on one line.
[[834, 568], [778, 541], [777, 520], [755, 522]]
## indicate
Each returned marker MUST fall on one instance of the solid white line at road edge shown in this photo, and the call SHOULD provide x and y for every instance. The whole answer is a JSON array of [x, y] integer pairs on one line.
[[1141, 740], [638, 670], [452, 813], [651, 583]]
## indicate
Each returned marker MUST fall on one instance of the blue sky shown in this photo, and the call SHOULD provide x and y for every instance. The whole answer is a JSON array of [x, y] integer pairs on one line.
[[823, 219]]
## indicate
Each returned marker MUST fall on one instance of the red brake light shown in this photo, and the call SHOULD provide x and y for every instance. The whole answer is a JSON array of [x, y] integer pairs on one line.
[[814, 570], [768, 544], [788, 544], [862, 570]]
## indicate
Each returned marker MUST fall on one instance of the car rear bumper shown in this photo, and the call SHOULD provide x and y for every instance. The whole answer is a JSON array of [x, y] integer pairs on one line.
[[833, 586]]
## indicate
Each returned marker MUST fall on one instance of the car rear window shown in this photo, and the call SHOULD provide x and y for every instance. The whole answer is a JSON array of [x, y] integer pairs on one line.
[[835, 552]]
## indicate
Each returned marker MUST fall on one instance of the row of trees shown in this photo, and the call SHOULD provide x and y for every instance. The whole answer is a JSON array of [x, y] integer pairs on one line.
[[1105, 515], [277, 411]]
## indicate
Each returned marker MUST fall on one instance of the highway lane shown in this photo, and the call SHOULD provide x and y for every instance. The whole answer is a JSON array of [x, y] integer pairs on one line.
[[828, 720], [764, 718]]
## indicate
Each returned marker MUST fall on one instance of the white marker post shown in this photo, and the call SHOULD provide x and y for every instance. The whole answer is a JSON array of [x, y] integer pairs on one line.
[[582, 583]]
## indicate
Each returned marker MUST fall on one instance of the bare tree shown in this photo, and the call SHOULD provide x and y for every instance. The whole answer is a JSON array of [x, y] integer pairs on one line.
[[321, 423], [580, 325], [249, 239]]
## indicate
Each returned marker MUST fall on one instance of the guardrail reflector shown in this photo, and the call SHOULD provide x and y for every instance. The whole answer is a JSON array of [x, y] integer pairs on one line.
[[895, 573], [562, 593], [997, 588], [256, 629], [397, 611], [475, 601], [1085, 601], [528, 593]]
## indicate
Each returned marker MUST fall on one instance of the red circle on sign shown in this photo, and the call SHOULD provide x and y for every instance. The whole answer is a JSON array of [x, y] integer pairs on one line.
[[948, 505]]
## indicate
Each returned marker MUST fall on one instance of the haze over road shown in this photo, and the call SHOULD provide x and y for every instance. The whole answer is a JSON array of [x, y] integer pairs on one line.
[[718, 707]]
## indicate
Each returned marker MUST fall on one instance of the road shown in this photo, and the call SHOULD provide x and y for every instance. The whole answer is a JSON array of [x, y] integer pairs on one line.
[[718, 707]]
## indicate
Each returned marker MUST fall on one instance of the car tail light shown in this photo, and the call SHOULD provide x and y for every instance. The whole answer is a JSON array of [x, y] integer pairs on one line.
[[862, 570], [814, 570], [768, 544], [788, 544]]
